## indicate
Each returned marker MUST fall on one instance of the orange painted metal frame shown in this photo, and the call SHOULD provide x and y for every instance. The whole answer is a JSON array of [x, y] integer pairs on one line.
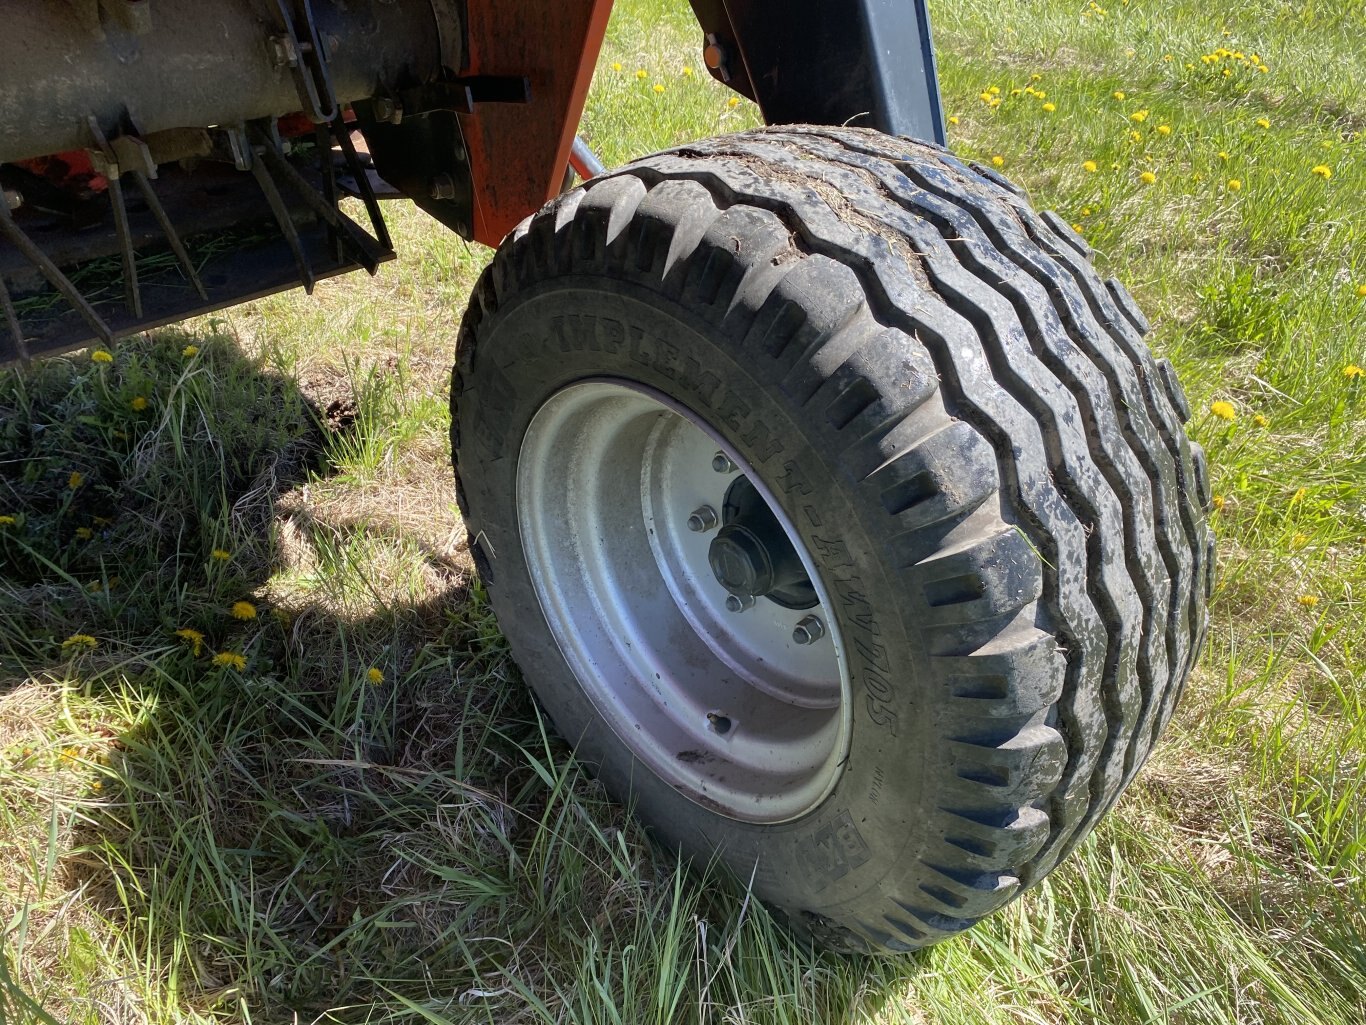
[[518, 152]]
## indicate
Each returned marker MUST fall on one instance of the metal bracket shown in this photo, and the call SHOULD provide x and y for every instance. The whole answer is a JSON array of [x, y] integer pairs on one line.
[[460, 95], [303, 53]]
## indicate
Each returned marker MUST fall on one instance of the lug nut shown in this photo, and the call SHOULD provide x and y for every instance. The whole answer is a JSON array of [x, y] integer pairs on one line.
[[738, 603], [721, 463], [703, 518], [13, 199], [809, 630]]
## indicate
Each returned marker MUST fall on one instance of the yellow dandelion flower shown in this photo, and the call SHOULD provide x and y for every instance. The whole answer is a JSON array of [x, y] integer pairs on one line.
[[687, 71], [1322, 170], [995, 90], [1361, 291], [243, 610], [190, 351], [230, 659], [616, 65], [1224, 409], [102, 356], [1119, 94], [1078, 229], [1089, 166], [1263, 69], [1298, 496], [1351, 371], [1263, 122], [642, 74], [1308, 600], [1048, 108], [733, 102], [1190, 67], [659, 87], [995, 102], [1299, 540], [984, 96], [220, 555], [1234, 184], [1139, 116], [1227, 73], [1168, 58], [1260, 420], [80, 641], [1036, 77], [84, 533], [1164, 129], [1218, 502], [195, 638], [375, 675], [1223, 155], [8, 521], [1147, 177], [139, 403], [1086, 211], [1136, 136], [953, 119], [75, 480], [998, 161]]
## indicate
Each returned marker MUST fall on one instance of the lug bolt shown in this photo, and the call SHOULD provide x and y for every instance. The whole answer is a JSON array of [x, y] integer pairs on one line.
[[442, 187], [386, 110], [721, 463], [809, 630], [738, 603], [703, 518]]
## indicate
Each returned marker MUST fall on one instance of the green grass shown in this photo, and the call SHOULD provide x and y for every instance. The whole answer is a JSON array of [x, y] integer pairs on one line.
[[184, 842]]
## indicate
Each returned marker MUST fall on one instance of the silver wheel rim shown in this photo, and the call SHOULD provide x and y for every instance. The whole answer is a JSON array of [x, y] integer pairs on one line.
[[744, 712]]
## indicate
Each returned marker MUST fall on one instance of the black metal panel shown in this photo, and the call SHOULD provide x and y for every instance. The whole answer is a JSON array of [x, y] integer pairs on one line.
[[856, 62]]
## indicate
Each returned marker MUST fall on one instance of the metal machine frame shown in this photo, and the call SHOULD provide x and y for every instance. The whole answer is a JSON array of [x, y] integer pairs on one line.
[[138, 193]]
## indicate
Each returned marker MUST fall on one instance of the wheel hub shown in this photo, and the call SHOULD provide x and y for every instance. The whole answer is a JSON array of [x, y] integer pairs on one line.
[[752, 556], [683, 601]]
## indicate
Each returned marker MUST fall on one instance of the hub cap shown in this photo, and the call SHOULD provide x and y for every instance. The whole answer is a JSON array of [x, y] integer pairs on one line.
[[703, 640]]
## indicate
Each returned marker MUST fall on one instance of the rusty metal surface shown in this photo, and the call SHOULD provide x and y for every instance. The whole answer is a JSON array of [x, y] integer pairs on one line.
[[518, 153]]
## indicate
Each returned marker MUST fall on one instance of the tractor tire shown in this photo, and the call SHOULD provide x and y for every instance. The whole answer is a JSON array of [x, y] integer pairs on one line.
[[837, 514]]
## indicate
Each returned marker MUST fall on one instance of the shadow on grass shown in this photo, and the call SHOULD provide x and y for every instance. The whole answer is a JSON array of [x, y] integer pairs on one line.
[[338, 803]]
